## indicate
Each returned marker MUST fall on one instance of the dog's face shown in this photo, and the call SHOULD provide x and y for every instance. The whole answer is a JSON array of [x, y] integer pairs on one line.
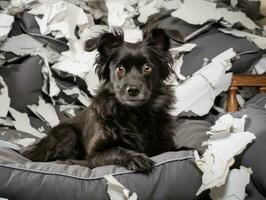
[[134, 70]]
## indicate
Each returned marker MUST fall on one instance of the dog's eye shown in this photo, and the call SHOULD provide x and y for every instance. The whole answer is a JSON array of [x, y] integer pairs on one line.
[[120, 70], [146, 69]]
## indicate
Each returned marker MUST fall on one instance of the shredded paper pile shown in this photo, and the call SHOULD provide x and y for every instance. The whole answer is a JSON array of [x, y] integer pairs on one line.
[[56, 32]]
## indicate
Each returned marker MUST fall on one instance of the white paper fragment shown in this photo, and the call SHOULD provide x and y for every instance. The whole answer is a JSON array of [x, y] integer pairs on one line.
[[76, 60], [22, 123], [120, 12], [177, 67], [235, 185], [197, 94], [224, 123], [46, 112], [183, 48], [16, 6], [227, 123], [4, 98], [147, 8], [237, 17], [261, 66], [82, 96], [25, 142], [222, 147], [258, 40], [202, 11], [197, 12], [6, 22], [117, 191], [60, 17]]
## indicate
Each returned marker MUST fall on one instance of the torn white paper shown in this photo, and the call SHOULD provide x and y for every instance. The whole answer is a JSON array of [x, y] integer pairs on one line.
[[183, 48], [25, 142], [222, 147], [227, 123], [148, 8], [261, 66], [237, 17], [197, 94], [6, 22], [76, 60], [235, 185], [177, 67], [197, 12], [60, 16], [119, 12], [46, 112], [16, 6], [117, 191], [4, 98], [202, 11], [258, 40], [22, 123]]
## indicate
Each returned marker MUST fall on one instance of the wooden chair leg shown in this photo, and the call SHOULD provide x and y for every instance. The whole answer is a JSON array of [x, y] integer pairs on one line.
[[232, 104]]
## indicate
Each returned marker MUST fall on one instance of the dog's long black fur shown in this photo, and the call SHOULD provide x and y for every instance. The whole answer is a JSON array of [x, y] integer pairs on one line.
[[128, 120]]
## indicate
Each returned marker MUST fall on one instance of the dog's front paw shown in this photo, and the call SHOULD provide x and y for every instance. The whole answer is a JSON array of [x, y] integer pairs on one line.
[[140, 163]]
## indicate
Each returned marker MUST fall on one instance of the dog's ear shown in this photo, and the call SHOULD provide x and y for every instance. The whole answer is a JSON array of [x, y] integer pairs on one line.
[[107, 43], [157, 38]]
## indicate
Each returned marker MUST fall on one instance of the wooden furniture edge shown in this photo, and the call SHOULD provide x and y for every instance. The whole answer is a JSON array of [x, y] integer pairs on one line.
[[238, 81]]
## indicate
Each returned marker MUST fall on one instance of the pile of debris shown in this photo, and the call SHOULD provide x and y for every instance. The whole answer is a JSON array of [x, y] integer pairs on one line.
[[56, 31]]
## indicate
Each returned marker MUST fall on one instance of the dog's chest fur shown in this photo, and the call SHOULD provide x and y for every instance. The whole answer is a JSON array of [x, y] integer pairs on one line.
[[144, 129]]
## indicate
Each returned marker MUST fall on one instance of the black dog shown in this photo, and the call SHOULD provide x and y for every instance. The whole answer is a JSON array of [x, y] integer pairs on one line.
[[129, 118]]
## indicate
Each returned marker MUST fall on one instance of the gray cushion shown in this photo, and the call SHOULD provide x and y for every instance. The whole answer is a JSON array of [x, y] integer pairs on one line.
[[174, 177]]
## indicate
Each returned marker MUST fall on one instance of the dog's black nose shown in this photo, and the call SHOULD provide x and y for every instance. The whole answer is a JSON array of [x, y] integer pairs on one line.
[[132, 91]]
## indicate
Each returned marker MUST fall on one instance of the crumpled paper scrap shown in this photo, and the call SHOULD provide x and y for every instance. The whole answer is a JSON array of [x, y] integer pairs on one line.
[[61, 18], [223, 145], [235, 185], [117, 191]]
